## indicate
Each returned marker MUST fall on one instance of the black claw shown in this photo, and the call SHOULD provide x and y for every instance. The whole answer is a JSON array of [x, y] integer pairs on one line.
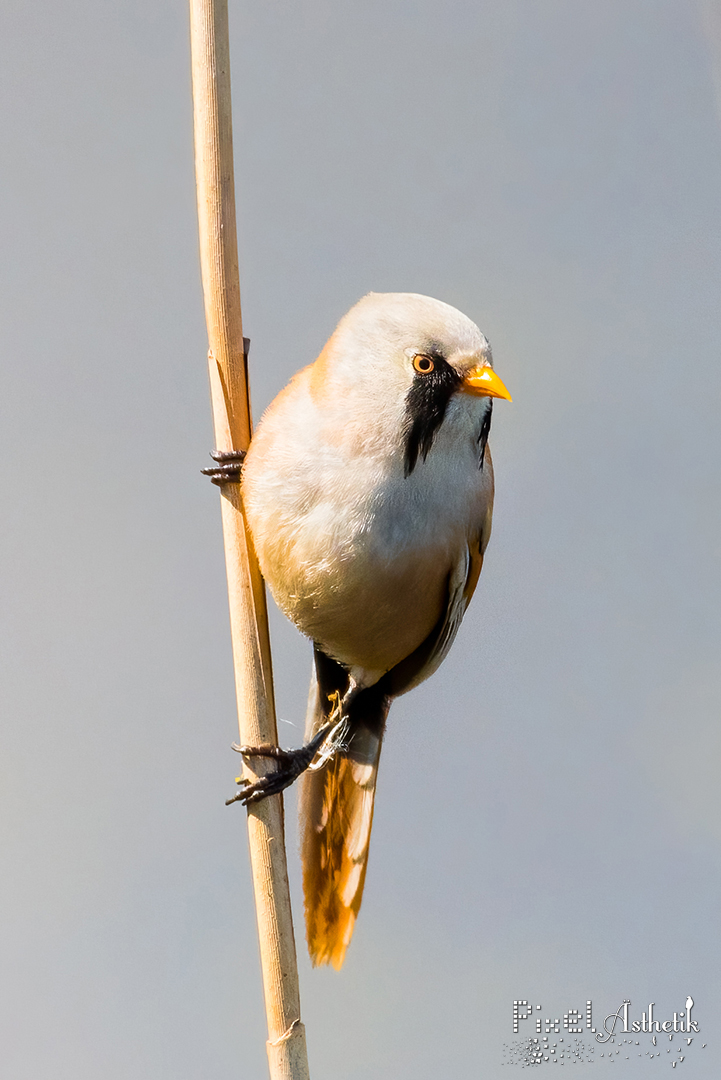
[[229, 467], [268, 751], [272, 784], [295, 762]]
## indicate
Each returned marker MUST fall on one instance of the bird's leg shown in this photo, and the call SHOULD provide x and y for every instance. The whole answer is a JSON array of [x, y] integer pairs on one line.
[[227, 471], [325, 744]]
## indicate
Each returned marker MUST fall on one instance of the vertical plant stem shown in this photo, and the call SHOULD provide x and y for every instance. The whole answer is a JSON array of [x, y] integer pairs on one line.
[[287, 1055]]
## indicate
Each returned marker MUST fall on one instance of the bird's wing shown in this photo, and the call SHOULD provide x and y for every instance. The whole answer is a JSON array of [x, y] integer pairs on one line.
[[431, 653], [462, 581]]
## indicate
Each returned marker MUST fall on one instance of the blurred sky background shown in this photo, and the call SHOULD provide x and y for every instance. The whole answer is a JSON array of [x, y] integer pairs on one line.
[[548, 824]]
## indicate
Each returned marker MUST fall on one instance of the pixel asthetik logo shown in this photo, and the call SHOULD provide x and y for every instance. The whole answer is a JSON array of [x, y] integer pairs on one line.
[[556, 1040]]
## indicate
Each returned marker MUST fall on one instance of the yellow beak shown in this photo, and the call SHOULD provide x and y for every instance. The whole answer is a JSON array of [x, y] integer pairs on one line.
[[484, 382]]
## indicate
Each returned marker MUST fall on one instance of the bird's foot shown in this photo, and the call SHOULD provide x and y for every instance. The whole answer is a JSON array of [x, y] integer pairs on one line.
[[228, 469], [292, 763]]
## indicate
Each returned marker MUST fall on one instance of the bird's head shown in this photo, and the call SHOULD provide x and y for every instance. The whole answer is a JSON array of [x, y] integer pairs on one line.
[[407, 357]]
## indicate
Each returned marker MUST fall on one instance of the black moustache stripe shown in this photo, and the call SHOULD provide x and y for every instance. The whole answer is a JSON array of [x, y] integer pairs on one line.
[[484, 433], [426, 404]]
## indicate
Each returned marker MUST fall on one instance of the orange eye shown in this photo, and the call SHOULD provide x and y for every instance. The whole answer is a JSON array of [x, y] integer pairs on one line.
[[423, 364]]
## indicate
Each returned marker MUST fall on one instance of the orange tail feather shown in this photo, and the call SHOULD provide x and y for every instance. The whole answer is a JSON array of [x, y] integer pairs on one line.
[[336, 807]]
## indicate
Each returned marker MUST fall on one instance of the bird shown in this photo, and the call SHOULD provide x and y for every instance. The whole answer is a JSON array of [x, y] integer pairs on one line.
[[368, 492]]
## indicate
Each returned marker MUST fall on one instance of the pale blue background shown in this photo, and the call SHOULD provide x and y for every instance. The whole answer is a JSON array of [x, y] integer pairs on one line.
[[548, 818]]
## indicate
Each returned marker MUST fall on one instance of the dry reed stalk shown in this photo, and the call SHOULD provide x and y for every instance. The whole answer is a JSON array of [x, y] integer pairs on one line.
[[210, 52]]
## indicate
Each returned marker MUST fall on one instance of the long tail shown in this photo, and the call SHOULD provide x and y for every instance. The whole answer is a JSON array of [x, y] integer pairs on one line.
[[336, 813]]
